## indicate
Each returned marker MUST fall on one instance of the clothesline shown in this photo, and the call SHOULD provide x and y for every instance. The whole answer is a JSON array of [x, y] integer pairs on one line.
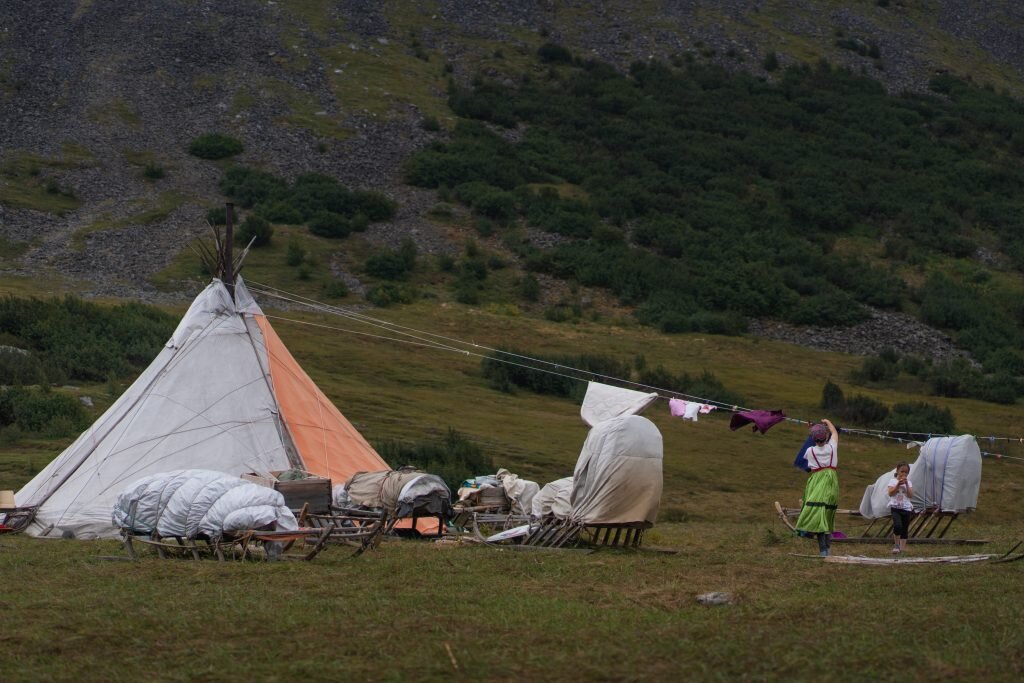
[[412, 336]]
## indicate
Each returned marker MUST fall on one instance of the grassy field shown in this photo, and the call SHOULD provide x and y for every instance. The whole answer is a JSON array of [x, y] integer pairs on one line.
[[419, 611]]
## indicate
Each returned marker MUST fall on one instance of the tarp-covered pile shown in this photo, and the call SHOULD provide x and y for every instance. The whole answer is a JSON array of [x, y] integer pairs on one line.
[[618, 476], [946, 477], [516, 494], [553, 499], [194, 503], [401, 493]]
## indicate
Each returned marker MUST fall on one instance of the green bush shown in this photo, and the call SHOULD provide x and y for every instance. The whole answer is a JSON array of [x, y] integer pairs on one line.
[[217, 216], [215, 146], [152, 171], [529, 288], [553, 53], [77, 340], [20, 367], [864, 411], [390, 293], [877, 369], [832, 397], [393, 264], [327, 224], [335, 289], [254, 227], [326, 206], [920, 417], [42, 412], [295, 254]]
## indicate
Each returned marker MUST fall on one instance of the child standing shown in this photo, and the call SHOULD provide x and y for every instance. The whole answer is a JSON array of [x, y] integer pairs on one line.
[[900, 494], [821, 494]]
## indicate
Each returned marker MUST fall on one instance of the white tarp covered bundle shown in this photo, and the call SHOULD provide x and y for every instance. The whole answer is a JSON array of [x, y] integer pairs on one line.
[[603, 402], [520, 491], [223, 394], [553, 499], [191, 503], [400, 492], [946, 475], [618, 476]]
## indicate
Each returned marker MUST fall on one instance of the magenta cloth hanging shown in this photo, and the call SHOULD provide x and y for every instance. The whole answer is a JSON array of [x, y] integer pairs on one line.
[[763, 419]]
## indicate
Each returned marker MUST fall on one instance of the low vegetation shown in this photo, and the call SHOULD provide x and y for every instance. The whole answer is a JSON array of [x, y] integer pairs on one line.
[[60, 340], [328, 208], [215, 146], [701, 197]]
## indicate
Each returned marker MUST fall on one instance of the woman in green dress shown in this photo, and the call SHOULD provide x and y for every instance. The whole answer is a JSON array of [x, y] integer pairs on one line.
[[821, 495]]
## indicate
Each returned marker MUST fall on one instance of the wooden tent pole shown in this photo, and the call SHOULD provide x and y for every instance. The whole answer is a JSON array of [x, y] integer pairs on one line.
[[228, 263]]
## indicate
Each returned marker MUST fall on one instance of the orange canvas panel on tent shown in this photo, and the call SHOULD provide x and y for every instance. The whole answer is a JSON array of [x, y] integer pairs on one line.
[[326, 441]]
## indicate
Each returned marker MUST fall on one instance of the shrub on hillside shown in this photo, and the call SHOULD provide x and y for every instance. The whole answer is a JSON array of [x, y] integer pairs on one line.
[[877, 369], [390, 293], [19, 367], [215, 146], [333, 225], [832, 397], [77, 340], [217, 216], [554, 53], [920, 417], [254, 228], [392, 264], [41, 411]]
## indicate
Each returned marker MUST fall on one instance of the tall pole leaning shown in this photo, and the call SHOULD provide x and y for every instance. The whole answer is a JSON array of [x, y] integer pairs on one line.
[[229, 240]]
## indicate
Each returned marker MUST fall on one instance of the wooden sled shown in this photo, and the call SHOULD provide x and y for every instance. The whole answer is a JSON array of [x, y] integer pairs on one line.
[[483, 521], [889, 561], [15, 520], [555, 533], [243, 545], [927, 527], [361, 529]]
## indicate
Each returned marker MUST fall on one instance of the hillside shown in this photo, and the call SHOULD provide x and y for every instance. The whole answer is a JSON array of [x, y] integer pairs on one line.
[[99, 195]]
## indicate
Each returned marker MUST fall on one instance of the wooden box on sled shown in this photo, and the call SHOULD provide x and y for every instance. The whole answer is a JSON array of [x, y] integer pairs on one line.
[[316, 491]]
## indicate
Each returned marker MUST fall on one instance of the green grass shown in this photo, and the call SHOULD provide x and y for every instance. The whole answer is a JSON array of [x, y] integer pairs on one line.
[[27, 180], [541, 616], [12, 250], [149, 212], [116, 111]]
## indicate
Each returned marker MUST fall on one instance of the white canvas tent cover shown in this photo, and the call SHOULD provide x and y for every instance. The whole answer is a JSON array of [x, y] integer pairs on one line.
[[618, 477], [553, 499], [223, 394], [603, 402], [520, 491], [946, 475], [190, 503]]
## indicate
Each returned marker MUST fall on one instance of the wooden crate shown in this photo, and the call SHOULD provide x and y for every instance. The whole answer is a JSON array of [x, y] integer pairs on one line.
[[315, 491]]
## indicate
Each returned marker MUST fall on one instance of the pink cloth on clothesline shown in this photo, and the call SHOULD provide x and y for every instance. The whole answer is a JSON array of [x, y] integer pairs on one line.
[[688, 410]]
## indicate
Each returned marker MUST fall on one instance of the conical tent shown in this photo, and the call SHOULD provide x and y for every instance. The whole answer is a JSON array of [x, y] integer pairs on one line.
[[224, 394]]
